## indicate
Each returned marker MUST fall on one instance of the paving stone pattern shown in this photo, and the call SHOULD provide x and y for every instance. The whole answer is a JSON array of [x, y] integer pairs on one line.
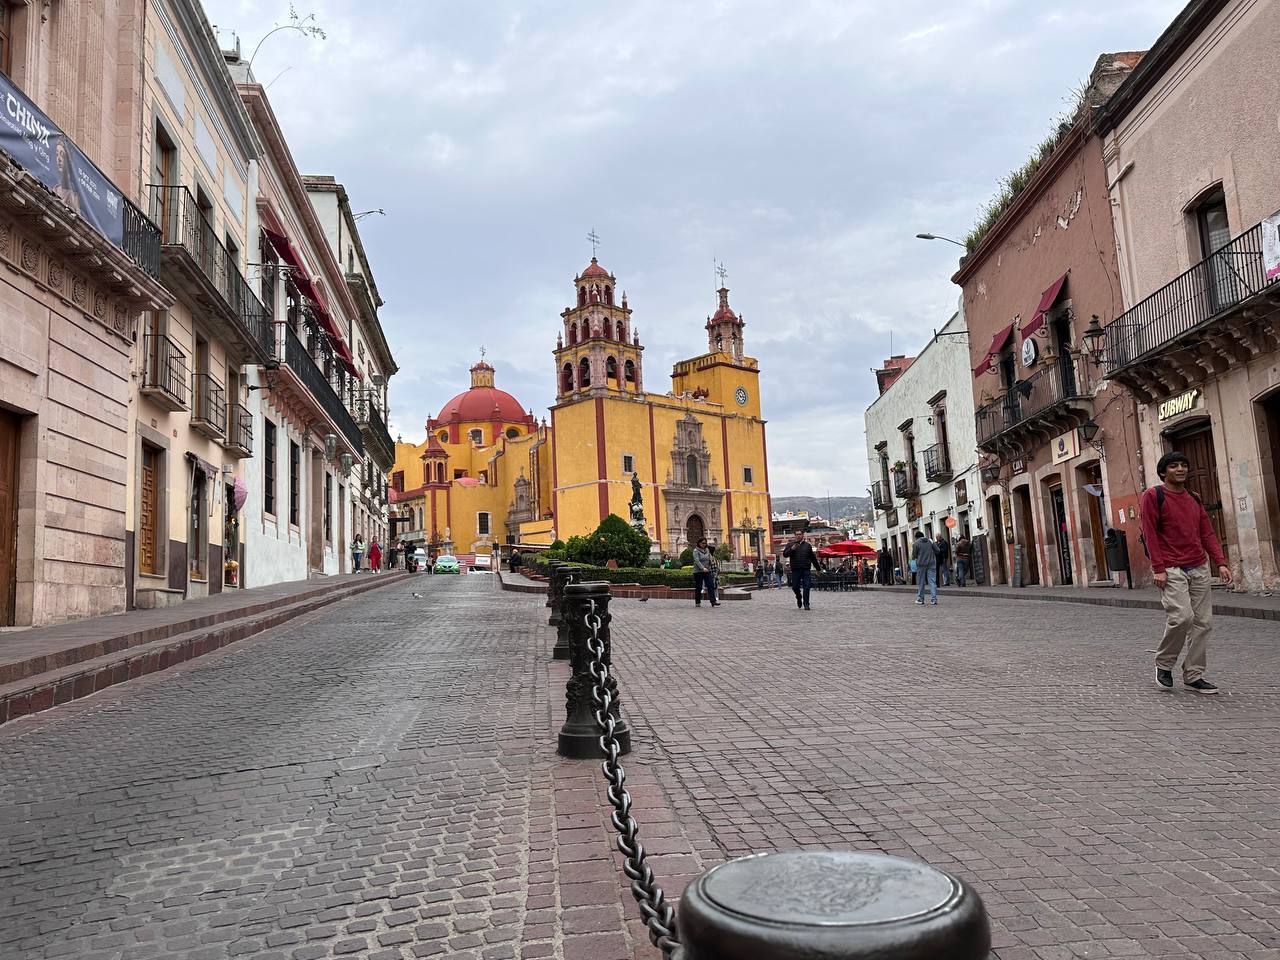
[[379, 780]]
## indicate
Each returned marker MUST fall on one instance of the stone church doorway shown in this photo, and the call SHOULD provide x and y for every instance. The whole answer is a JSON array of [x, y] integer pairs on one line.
[[695, 529]]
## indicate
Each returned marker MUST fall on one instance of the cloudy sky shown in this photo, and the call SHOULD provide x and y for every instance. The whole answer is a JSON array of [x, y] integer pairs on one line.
[[803, 143]]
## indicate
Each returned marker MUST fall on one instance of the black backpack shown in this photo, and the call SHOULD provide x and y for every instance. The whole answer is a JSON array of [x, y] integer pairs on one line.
[[1160, 515]]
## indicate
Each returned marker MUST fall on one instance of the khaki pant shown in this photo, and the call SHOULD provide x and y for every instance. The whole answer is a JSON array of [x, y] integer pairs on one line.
[[1189, 608]]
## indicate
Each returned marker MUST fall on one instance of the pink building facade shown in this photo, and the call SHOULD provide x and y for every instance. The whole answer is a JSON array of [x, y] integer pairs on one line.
[[1190, 143]]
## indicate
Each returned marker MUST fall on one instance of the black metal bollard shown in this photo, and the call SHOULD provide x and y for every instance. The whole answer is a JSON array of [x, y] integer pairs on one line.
[[565, 575], [551, 586], [580, 735], [832, 904], [558, 578]]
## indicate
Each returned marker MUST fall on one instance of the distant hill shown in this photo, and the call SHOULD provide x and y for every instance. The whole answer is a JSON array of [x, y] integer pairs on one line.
[[840, 506]]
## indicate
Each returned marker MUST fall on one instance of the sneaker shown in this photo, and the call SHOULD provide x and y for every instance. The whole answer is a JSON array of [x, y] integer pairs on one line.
[[1164, 678], [920, 601], [933, 603], [1200, 686], [806, 606]]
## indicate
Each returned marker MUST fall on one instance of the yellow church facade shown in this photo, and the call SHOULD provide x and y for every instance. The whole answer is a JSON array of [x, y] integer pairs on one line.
[[489, 473]]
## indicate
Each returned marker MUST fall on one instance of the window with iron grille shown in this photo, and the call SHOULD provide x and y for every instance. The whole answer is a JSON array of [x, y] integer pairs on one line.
[[328, 507], [746, 475], [268, 466], [295, 481], [482, 524]]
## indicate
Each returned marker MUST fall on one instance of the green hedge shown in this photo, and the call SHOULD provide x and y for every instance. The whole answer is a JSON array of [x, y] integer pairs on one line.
[[646, 576]]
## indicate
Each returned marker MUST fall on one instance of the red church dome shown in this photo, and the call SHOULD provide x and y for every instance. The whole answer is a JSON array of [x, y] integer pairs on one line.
[[594, 270], [482, 404]]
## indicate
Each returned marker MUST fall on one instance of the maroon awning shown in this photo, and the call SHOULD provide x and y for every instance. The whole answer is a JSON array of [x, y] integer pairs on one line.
[[300, 280], [997, 344], [1047, 300]]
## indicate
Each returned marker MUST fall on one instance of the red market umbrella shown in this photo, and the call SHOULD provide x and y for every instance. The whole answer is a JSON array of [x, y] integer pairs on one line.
[[848, 548]]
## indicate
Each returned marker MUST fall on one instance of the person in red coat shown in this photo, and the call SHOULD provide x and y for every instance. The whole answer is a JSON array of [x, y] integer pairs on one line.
[[375, 556]]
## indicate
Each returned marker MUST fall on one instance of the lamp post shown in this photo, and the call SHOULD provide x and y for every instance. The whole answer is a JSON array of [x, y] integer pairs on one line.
[[930, 236]]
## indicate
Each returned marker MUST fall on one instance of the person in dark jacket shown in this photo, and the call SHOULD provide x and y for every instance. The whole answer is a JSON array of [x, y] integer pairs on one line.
[[942, 547], [926, 560], [803, 559]]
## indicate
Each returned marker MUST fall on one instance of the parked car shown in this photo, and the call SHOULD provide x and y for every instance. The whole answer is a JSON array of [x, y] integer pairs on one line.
[[447, 563]]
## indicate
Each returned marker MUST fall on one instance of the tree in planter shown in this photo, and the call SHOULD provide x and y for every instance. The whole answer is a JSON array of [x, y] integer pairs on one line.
[[614, 539], [686, 558]]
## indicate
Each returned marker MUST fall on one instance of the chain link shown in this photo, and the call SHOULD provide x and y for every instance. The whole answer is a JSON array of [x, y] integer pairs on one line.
[[658, 914]]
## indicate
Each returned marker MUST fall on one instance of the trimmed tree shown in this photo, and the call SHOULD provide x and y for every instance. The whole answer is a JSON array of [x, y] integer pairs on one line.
[[614, 539]]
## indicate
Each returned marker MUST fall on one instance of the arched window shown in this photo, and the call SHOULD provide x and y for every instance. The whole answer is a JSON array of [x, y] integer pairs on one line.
[[566, 378], [629, 371], [439, 473], [611, 369], [691, 470], [582, 296], [512, 433], [573, 333], [419, 518], [584, 372], [607, 330], [620, 332], [608, 294]]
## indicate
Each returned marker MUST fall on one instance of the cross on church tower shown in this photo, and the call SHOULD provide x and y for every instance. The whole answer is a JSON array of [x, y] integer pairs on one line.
[[721, 273], [595, 240]]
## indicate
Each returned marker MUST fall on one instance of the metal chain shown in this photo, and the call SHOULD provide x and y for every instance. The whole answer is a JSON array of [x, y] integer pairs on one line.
[[658, 914]]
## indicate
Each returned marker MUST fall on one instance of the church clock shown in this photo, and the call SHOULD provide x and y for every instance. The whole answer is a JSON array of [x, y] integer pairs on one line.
[[740, 395]]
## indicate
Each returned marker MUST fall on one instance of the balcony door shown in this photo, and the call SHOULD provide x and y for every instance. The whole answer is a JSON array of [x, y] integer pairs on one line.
[[1215, 233], [164, 171]]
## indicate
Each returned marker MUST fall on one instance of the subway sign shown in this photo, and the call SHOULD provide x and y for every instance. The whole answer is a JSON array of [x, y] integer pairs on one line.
[[1176, 406]]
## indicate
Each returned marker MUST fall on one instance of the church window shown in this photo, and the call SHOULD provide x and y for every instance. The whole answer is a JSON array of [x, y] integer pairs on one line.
[[628, 463], [512, 433], [611, 369], [584, 372], [629, 371], [419, 518], [482, 524], [719, 342], [566, 378], [397, 481], [582, 296], [476, 436], [457, 473], [620, 332], [608, 294], [484, 476], [573, 333], [746, 475], [691, 470], [439, 473], [443, 436]]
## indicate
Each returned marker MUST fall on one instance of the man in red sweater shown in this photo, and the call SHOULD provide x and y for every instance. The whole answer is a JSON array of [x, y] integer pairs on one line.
[[1181, 543]]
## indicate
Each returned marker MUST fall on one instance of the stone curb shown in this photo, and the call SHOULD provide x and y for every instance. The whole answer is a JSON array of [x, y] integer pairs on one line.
[[42, 692]]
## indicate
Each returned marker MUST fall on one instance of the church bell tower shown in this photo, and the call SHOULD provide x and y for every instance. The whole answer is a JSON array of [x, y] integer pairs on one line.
[[597, 352]]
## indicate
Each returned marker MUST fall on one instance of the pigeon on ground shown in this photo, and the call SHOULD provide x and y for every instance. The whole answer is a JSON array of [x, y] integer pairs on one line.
[[644, 599], [417, 596]]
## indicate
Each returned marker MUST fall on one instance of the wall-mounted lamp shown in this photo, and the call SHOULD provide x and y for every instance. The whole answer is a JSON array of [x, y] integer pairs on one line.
[[346, 460], [1094, 338], [1088, 433], [330, 445], [990, 474]]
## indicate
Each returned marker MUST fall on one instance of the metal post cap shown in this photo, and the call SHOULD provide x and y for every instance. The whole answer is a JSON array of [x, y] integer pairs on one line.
[[586, 591], [832, 904]]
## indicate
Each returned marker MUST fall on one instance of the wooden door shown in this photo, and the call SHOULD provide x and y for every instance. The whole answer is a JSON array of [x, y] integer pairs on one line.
[[1203, 478], [9, 427], [1026, 535], [147, 509]]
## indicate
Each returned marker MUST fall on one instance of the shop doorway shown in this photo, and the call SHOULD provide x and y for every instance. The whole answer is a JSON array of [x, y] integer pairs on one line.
[[231, 561], [1025, 535], [1095, 510], [995, 523], [1058, 509], [1268, 421], [1202, 480], [10, 427], [148, 512]]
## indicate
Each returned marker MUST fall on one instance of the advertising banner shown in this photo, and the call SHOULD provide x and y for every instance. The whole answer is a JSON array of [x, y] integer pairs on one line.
[[44, 151], [1271, 246]]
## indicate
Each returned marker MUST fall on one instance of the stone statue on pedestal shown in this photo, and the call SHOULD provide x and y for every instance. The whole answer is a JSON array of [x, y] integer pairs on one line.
[[637, 505]]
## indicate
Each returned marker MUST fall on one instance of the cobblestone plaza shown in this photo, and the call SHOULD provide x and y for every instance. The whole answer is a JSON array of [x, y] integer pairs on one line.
[[379, 779]]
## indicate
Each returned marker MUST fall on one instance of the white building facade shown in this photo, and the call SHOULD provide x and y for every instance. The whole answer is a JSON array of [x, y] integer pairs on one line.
[[922, 447]]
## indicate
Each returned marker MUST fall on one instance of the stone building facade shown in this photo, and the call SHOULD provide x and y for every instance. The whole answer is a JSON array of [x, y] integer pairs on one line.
[[70, 298]]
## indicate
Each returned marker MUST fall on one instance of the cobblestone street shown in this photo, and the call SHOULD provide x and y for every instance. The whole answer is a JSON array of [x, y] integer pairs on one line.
[[379, 779]]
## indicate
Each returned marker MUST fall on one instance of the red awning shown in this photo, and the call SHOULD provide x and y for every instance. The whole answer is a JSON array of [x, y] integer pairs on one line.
[[303, 282], [1047, 300], [997, 344]]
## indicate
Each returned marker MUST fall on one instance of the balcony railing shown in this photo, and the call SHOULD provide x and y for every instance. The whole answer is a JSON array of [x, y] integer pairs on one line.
[[1223, 280], [906, 483], [239, 430], [937, 463], [209, 413], [1052, 386], [369, 416], [881, 498], [295, 355], [165, 374], [211, 267], [141, 240]]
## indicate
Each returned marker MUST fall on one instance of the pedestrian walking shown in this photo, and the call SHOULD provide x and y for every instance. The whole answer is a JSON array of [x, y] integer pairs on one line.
[[803, 558], [393, 555], [942, 547], [357, 552], [884, 567], [375, 556], [1179, 540], [777, 571], [925, 558], [964, 556], [704, 573], [760, 576]]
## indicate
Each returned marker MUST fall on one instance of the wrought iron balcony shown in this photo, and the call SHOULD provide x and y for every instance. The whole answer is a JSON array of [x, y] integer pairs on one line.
[[906, 483], [239, 439], [881, 498], [1199, 323], [1051, 401], [209, 412], [377, 440], [293, 355], [199, 268], [165, 374], [937, 464]]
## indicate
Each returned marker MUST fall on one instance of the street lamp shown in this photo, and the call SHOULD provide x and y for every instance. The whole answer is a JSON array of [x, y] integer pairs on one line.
[[1093, 337], [930, 236]]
